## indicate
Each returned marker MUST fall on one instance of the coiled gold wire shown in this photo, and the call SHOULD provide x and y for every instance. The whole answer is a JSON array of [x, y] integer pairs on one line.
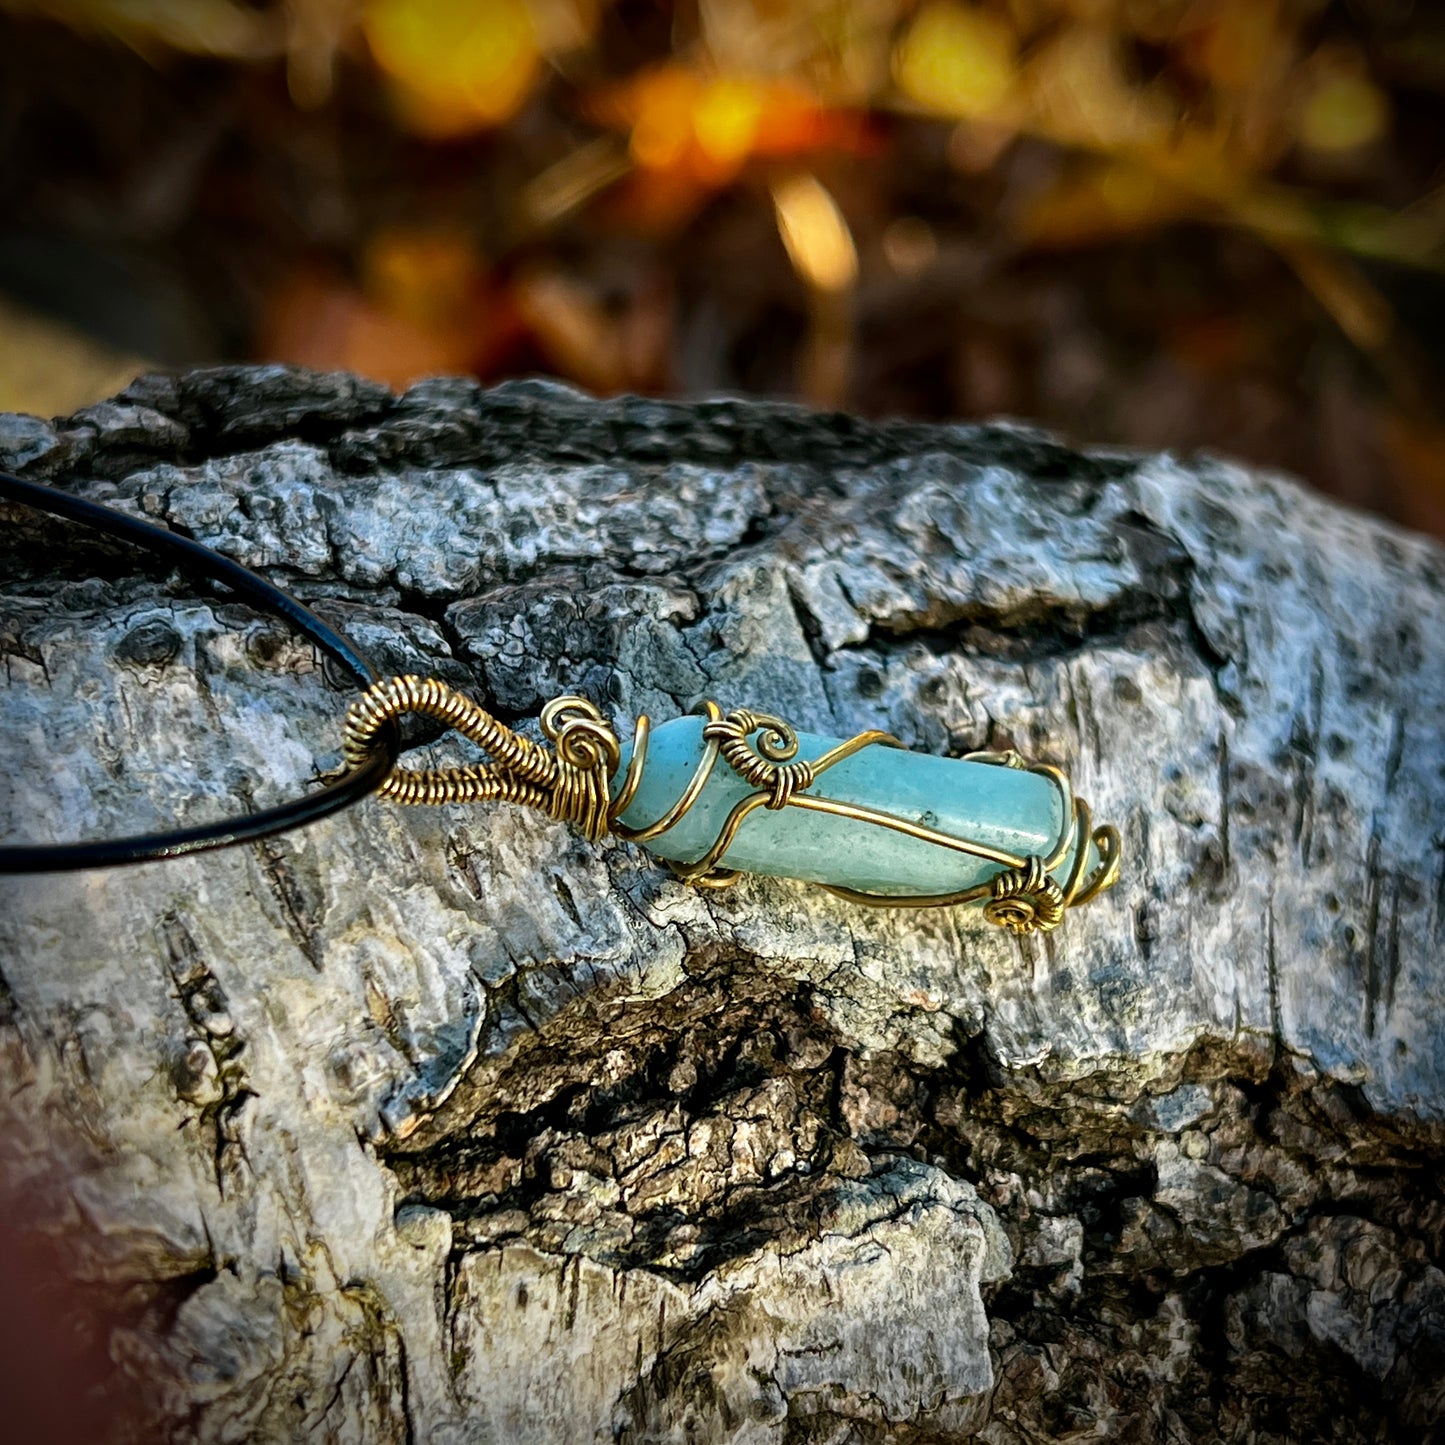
[[571, 785], [768, 767]]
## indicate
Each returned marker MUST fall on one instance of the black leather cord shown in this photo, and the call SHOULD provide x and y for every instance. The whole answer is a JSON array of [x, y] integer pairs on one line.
[[201, 561]]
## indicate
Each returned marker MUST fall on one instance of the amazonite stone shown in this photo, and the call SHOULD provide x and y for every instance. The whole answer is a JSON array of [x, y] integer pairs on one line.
[[1006, 808]]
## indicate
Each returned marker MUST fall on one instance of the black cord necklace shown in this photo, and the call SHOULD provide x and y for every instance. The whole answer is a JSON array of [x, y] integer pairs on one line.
[[364, 776]]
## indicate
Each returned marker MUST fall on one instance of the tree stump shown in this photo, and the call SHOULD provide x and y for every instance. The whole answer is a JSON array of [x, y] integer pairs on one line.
[[445, 1125]]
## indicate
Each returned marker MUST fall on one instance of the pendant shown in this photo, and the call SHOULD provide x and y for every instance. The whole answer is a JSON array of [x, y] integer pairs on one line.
[[723, 794]]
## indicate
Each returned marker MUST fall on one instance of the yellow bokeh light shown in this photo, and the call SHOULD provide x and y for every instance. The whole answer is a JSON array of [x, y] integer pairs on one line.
[[958, 61], [725, 120], [1344, 111], [458, 65]]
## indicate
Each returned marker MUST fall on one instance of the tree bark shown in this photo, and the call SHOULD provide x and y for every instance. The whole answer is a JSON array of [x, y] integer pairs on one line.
[[445, 1125]]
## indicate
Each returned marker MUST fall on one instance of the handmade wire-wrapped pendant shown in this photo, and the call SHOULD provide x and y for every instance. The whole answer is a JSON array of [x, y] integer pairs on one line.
[[712, 796], [722, 794]]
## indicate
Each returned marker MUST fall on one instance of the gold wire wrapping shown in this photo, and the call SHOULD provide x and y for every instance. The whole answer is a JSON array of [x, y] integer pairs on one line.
[[1024, 899], [767, 766], [572, 783]]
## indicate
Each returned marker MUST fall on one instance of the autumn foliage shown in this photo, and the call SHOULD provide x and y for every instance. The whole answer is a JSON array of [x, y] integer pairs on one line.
[[919, 206]]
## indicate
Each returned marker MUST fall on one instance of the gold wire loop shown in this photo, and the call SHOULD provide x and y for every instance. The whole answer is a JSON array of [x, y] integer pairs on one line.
[[571, 784]]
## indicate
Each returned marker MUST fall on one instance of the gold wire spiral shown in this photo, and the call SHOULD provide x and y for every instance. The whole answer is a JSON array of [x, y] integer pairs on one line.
[[571, 784], [767, 766], [1025, 899]]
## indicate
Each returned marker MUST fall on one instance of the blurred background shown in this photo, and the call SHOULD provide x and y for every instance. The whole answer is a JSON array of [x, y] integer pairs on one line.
[[1185, 224]]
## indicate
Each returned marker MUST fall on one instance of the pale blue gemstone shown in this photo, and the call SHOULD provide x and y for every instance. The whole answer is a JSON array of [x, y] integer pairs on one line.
[[1009, 809]]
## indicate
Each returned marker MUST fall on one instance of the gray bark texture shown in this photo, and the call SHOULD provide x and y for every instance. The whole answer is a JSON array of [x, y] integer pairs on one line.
[[446, 1126]]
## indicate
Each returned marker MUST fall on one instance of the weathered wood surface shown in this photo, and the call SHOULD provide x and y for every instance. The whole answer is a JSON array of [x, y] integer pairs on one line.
[[447, 1126]]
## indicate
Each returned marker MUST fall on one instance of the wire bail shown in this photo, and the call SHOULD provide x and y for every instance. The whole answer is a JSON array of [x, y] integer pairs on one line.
[[571, 784]]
